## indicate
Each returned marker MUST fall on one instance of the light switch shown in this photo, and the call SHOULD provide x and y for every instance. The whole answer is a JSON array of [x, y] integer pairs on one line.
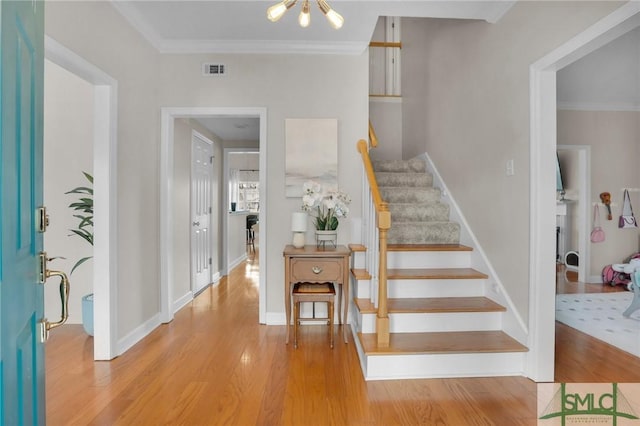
[[510, 169]]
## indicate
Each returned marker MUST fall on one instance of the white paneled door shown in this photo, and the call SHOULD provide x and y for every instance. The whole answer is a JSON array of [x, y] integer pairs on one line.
[[201, 207]]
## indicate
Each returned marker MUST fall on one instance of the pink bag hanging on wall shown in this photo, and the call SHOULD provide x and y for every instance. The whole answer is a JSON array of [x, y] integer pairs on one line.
[[597, 233]]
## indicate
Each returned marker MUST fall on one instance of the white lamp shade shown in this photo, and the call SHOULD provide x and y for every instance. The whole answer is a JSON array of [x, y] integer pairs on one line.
[[299, 222]]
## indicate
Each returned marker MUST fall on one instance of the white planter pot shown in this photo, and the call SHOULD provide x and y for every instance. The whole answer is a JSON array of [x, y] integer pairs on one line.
[[324, 237], [87, 314]]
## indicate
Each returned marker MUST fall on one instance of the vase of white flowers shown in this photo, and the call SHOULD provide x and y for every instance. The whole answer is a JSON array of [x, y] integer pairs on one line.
[[326, 206]]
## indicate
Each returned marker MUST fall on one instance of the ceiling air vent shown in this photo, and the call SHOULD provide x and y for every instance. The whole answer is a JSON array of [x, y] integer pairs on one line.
[[213, 69]]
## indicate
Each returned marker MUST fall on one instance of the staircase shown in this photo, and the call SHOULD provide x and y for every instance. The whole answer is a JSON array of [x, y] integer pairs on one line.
[[418, 215], [440, 320]]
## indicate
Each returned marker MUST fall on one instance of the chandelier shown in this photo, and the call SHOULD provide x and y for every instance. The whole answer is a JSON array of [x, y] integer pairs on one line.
[[276, 11]]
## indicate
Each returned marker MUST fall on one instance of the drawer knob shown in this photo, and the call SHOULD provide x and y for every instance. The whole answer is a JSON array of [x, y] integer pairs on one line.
[[316, 270]]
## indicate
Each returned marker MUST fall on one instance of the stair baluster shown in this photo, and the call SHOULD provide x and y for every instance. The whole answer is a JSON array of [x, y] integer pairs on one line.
[[383, 223]]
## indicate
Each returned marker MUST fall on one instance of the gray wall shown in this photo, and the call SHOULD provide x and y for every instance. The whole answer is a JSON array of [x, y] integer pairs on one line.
[[323, 86], [68, 151], [467, 106], [614, 137]]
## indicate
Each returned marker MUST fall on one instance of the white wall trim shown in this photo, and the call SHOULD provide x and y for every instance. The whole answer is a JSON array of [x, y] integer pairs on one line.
[[181, 302], [261, 47], [385, 99], [105, 142], [168, 115], [138, 334], [215, 280], [600, 106], [543, 109], [277, 318], [512, 322], [500, 11], [235, 262]]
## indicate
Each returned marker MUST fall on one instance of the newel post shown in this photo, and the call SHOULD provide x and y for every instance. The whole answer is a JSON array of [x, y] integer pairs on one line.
[[382, 320]]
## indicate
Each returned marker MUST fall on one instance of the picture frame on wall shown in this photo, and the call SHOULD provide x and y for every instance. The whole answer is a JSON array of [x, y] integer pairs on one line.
[[311, 153]]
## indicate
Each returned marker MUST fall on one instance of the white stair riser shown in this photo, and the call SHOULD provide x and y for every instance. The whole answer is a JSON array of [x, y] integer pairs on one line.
[[361, 289], [425, 288], [358, 259], [409, 259], [404, 289], [355, 319], [433, 259], [416, 366], [432, 322]]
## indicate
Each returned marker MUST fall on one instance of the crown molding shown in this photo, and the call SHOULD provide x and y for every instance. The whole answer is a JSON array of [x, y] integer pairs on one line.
[[600, 106], [138, 22], [499, 11], [261, 47]]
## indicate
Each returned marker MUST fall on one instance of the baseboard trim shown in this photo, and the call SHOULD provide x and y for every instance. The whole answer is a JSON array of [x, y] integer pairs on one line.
[[138, 334]]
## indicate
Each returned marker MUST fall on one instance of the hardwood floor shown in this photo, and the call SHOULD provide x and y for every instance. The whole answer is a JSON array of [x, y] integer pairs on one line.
[[214, 364], [597, 361]]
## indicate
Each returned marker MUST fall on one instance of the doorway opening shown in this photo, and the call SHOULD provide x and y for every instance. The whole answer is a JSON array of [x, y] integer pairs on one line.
[[105, 198], [242, 198], [543, 146], [578, 213], [170, 300]]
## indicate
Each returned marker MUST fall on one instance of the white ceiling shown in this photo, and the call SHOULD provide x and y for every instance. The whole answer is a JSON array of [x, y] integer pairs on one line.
[[232, 128], [241, 26], [606, 79]]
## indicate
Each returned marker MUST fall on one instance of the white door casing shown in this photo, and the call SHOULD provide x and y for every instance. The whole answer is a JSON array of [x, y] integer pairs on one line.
[[168, 115], [543, 145], [201, 208], [105, 142]]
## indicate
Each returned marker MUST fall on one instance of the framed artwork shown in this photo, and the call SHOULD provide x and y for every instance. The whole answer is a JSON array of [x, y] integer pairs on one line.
[[311, 153]]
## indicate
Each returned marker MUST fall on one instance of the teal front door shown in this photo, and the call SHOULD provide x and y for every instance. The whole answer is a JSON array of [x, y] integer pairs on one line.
[[21, 293]]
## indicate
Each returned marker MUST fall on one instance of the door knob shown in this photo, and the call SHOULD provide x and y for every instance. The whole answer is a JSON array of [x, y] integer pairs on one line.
[[196, 223]]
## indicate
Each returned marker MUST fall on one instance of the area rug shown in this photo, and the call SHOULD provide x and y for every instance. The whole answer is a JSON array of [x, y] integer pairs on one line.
[[600, 315]]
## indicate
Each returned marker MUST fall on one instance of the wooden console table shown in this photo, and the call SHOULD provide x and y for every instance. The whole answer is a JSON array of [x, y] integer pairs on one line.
[[317, 265]]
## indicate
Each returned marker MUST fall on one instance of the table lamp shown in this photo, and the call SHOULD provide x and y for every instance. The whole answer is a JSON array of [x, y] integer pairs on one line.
[[299, 228]]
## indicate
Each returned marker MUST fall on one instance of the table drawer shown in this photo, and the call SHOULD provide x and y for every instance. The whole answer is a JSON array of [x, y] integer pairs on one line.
[[316, 270]]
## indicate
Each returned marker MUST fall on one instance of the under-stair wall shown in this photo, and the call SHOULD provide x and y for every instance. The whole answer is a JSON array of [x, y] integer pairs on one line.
[[513, 323]]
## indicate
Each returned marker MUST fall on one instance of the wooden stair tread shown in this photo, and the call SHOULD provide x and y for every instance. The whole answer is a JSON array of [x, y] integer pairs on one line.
[[360, 274], [357, 247], [433, 305], [428, 247], [435, 273], [442, 343]]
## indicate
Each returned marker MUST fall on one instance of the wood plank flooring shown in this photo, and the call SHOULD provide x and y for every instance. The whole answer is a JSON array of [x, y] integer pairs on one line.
[[214, 364]]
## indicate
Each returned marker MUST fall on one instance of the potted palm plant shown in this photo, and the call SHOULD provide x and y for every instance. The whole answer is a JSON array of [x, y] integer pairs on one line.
[[83, 211]]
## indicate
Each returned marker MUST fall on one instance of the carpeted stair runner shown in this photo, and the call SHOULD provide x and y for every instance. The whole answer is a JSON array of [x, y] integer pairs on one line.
[[417, 214]]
